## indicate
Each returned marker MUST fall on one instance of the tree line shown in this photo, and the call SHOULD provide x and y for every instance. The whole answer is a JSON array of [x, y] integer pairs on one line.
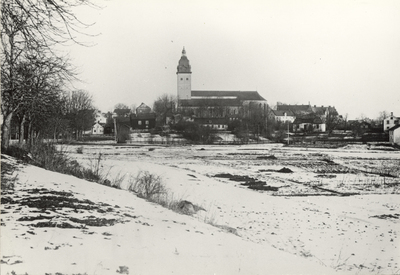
[[35, 77]]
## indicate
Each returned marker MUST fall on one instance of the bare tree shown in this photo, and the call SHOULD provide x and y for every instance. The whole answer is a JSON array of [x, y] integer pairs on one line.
[[32, 28], [41, 86], [80, 112], [164, 106], [121, 106]]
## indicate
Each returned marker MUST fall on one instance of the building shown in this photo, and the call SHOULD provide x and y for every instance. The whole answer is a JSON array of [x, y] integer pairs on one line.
[[297, 110], [282, 116], [310, 118], [394, 135], [122, 112], [309, 123], [98, 129], [390, 121], [100, 117], [144, 118], [216, 109]]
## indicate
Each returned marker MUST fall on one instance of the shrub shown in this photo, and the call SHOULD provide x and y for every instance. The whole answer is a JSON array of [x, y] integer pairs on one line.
[[117, 181], [17, 152], [7, 179], [147, 185], [47, 156], [195, 132]]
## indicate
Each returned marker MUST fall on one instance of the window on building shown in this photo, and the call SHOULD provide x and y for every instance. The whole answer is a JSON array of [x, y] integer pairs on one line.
[[139, 122], [187, 78], [387, 121], [147, 122], [181, 78]]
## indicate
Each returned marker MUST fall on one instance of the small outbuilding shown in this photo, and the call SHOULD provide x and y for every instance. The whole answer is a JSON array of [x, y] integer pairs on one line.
[[394, 135]]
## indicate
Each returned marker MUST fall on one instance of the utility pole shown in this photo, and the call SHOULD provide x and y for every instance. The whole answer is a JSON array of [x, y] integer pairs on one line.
[[114, 116], [287, 132]]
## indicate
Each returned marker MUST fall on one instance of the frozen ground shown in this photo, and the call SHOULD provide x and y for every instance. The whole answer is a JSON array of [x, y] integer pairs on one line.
[[334, 211]]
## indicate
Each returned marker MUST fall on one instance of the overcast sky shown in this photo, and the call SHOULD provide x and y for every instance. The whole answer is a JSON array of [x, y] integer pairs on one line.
[[340, 53]]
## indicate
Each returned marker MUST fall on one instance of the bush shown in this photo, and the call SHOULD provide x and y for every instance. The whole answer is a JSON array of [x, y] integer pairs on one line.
[[17, 152], [195, 132], [147, 185], [79, 150], [47, 156], [8, 179]]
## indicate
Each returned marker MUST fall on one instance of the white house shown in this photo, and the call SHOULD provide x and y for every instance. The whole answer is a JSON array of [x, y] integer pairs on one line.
[[394, 135], [390, 121], [282, 115], [97, 129], [100, 117]]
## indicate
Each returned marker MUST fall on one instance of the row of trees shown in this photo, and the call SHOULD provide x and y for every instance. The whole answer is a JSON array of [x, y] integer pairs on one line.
[[254, 120], [34, 76]]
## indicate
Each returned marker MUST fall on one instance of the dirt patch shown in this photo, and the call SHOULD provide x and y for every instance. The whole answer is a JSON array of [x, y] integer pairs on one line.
[[250, 182], [43, 191], [57, 202], [94, 221], [326, 176], [283, 170], [51, 202], [34, 218], [271, 157], [63, 224], [387, 216]]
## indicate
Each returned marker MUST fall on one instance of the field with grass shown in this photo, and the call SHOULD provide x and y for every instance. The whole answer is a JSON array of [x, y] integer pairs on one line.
[[253, 209]]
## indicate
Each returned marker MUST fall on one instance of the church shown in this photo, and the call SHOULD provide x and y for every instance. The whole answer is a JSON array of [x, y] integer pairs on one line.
[[216, 109]]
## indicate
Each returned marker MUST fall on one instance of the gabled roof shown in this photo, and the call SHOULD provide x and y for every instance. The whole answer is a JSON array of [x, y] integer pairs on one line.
[[143, 106], [308, 119], [282, 112], [143, 109], [321, 110], [394, 127], [294, 108], [240, 95]]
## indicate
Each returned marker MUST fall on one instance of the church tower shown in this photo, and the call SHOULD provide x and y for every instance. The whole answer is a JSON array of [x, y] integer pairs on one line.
[[184, 77]]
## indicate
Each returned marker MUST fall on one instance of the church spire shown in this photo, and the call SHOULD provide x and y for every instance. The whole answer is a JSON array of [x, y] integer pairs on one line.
[[184, 78], [183, 65]]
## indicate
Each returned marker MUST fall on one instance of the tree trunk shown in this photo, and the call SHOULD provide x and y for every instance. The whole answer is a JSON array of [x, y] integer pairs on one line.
[[6, 131], [30, 133], [22, 130]]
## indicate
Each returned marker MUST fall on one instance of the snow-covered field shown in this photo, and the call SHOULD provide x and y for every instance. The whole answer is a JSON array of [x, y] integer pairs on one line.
[[333, 211]]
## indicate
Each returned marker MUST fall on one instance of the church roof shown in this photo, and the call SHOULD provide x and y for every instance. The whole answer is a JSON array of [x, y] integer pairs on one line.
[[238, 95], [209, 102]]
